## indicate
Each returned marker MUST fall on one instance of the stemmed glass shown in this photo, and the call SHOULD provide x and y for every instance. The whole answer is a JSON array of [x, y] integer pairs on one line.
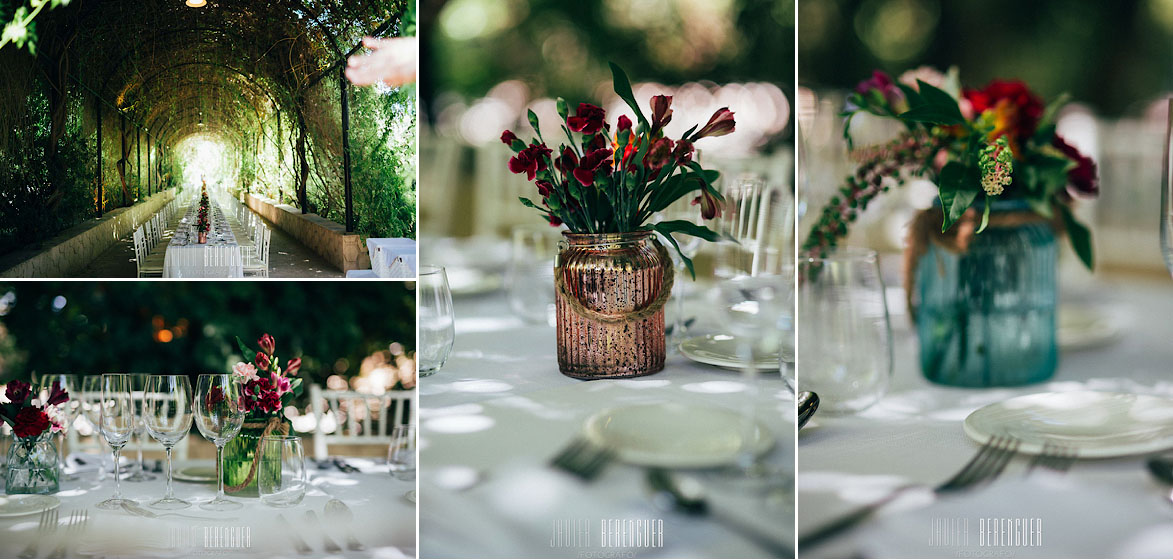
[[91, 397], [681, 210], [138, 389], [218, 417], [1167, 193], [167, 413], [437, 323], [116, 423], [68, 410]]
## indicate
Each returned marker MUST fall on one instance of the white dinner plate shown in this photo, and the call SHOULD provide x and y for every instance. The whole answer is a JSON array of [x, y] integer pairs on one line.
[[1092, 424], [1082, 327], [195, 473], [26, 504], [470, 281], [721, 350], [673, 435]]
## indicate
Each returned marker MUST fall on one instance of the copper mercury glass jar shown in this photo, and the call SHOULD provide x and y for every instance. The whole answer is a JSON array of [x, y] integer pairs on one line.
[[610, 291]]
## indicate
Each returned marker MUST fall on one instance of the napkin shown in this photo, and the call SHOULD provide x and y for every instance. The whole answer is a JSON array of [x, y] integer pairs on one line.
[[1041, 516]]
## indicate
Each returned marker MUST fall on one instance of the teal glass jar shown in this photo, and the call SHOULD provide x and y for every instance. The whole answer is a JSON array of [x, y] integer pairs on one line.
[[987, 316]]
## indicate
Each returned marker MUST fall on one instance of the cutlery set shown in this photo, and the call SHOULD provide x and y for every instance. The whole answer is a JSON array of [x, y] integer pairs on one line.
[[49, 526], [338, 515]]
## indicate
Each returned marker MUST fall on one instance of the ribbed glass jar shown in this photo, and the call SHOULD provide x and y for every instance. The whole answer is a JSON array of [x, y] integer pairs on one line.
[[987, 316], [610, 323]]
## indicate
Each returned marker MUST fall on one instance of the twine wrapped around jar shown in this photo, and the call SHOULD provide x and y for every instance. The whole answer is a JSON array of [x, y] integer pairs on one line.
[[273, 425]]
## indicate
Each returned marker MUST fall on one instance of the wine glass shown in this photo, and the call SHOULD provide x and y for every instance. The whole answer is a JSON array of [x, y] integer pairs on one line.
[[138, 389], [68, 411], [218, 416], [436, 320], [529, 279], [167, 414], [401, 454], [91, 397], [117, 424]]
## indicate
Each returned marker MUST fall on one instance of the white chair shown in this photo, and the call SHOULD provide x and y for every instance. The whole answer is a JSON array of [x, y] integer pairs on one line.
[[496, 190], [149, 265], [256, 258], [353, 418]]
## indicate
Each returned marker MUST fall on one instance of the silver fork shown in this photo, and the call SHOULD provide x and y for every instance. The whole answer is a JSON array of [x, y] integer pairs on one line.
[[1054, 457], [47, 525], [77, 521], [986, 465], [582, 458], [327, 542]]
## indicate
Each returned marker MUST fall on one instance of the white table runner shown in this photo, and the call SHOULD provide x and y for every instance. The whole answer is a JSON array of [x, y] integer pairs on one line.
[[220, 257]]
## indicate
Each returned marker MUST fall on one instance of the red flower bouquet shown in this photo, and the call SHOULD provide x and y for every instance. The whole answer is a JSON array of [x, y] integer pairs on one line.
[[266, 388], [28, 417]]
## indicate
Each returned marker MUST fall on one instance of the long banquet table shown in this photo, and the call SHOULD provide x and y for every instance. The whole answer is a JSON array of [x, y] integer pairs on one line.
[[384, 520], [1108, 508], [499, 410], [220, 257]]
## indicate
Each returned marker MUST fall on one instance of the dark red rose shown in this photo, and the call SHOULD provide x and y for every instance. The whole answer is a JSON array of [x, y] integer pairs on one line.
[[588, 120], [1016, 109], [29, 422], [530, 160], [1082, 180], [292, 366], [18, 391], [683, 152], [659, 156], [57, 395], [262, 361], [508, 137], [267, 343], [214, 397], [590, 164], [623, 124], [661, 112], [710, 205], [720, 124]]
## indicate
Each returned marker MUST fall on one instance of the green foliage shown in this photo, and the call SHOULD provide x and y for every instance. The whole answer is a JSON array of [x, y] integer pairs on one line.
[[114, 326]]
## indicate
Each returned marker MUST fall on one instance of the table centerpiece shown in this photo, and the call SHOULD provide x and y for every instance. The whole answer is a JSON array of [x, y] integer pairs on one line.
[[32, 465], [203, 221], [984, 305], [266, 389], [612, 275]]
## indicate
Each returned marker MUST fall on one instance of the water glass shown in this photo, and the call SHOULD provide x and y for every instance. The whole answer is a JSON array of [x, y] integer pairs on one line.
[[138, 388], [759, 217], [219, 416], [91, 398], [167, 414], [401, 455], [437, 323], [845, 340], [66, 412], [529, 278], [116, 424], [281, 474]]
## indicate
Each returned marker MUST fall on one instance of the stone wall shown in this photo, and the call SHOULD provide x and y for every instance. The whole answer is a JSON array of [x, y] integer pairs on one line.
[[73, 249], [328, 239]]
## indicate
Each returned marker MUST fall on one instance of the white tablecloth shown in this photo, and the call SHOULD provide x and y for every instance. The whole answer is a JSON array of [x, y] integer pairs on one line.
[[499, 410], [915, 435], [392, 257], [384, 519], [220, 257]]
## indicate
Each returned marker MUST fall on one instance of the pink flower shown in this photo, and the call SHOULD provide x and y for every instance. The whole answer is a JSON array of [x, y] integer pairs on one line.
[[262, 361], [661, 112], [281, 384], [292, 367], [246, 372], [720, 124], [267, 343]]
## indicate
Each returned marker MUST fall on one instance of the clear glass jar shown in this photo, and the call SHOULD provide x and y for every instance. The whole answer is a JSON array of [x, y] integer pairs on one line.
[[987, 316], [32, 466]]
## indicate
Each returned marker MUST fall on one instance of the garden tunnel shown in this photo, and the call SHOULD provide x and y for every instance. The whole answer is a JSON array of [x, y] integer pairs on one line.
[[120, 99]]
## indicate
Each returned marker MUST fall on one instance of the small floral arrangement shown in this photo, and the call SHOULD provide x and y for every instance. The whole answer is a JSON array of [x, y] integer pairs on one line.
[[203, 223], [30, 418], [266, 388], [604, 182], [994, 143]]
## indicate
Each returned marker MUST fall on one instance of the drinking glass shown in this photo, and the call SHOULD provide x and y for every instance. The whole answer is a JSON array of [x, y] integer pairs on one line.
[[759, 217], [681, 210], [1167, 193], [68, 411], [116, 424], [281, 474], [401, 455], [529, 278], [437, 324], [218, 416], [138, 388], [167, 412], [91, 397], [845, 346]]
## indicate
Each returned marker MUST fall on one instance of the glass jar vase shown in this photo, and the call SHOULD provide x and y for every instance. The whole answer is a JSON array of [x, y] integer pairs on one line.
[[610, 291], [32, 466], [240, 454], [987, 314]]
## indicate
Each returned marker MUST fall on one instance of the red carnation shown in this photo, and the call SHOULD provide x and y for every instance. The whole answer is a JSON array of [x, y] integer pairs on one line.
[[29, 422], [1081, 179], [1016, 109], [530, 160], [591, 163], [623, 124], [720, 124], [270, 402], [18, 391], [508, 137], [588, 120], [214, 397], [545, 188], [554, 220]]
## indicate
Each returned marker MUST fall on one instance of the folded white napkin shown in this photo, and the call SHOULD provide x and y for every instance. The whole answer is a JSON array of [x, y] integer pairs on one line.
[[1041, 516]]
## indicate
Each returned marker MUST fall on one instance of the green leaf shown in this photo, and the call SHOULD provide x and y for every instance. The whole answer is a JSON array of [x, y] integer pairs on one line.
[[528, 202], [1041, 207], [935, 96], [245, 350], [517, 145], [932, 105], [958, 186], [533, 121], [687, 228], [623, 90], [1080, 235], [985, 215], [932, 115], [913, 97], [563, 110]]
